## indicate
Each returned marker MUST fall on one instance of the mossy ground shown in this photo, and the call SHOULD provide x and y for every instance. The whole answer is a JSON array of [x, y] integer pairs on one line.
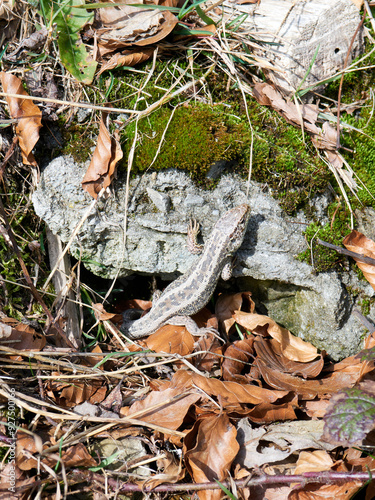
[[30, 240]]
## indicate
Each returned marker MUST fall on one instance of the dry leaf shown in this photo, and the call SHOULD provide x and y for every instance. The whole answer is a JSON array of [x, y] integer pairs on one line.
[[276, 442], [12, 478], [316, 409], [227, 304], [209, 450], [314, 461], [160, 407], [74, 393], [5, 331], [102, 166], [306, 389], [171, 339], [292, 347], [20, 336], [172, 472], [211, 351], [237, 356], [359, 243], [114, 400], [228, 392], [344, 491], [127, 58], [125, 25], [26, 446], [266, 413], [28, 115], [270, 352], [76, 456]]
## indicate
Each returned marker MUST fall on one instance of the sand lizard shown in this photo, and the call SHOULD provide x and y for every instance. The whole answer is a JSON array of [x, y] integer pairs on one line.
[[189, 293]]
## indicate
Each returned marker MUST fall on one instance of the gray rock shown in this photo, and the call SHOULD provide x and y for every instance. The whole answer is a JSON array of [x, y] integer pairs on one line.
[[315, 307], [161, 200]]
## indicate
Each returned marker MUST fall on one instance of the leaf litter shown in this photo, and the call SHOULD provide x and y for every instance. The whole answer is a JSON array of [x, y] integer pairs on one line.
[[207, 410], [241, 412]]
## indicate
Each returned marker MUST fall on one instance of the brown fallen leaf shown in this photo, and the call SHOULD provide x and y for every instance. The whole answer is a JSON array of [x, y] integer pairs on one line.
[[126, 25], [316, 409], [313, 461], [27, 114], [209, 450], [114, 400], [359, 243], [226, 305], [102, 166], [171, 339], [267, 95], [20, 336], [274, 443], [211, 351], [270, 352], [13, 480], [164, 408], [127, 58], [306, 389], [228, 392], [306, 116], [71, 394], [266, 413], [74, 456], [292, 347], [237, 356]]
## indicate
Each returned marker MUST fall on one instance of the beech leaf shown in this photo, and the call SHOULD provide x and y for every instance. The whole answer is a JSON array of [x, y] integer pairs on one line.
[[210, 455], [229, 392], [102, 166], [28, 115], [359, 243], [127, 25], [292, 347], [161, 408], [126, 58]]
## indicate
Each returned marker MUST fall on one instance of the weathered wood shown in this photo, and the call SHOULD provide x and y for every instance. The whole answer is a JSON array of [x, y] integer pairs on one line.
[[291, 31]]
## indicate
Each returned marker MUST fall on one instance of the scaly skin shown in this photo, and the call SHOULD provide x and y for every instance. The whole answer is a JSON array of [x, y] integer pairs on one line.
[[189, 293]]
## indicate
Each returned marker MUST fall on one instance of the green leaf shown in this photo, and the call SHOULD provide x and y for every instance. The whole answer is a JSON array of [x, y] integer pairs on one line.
[[205, 18], [70, 19], [350, 415]]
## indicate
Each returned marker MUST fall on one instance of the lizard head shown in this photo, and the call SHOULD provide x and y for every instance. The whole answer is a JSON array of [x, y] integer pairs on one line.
[[233, 225]]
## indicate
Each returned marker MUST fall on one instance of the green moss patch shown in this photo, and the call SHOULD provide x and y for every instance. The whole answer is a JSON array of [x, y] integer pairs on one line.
[[320, 257]]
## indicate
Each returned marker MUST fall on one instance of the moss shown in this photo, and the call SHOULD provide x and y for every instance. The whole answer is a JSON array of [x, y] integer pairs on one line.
[[197, 137], [322, 258], [78, 140], [366, 305], [361, 154]]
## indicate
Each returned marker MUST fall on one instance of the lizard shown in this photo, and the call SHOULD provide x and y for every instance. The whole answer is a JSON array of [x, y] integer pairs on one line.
[[189, 293]]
